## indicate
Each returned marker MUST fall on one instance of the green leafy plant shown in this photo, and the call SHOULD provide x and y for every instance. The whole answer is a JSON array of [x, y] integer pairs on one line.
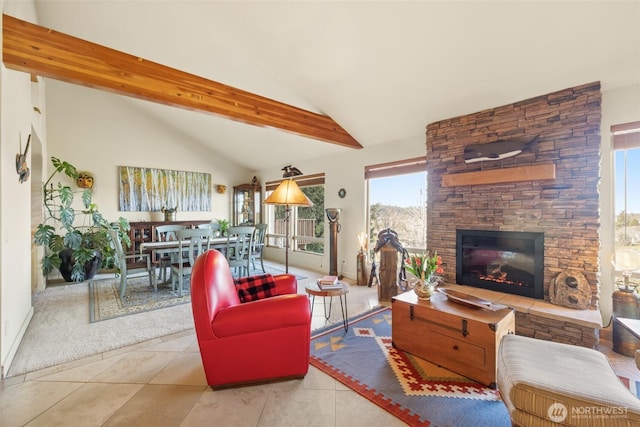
[[78, 234], [424, 265], [224, 226]]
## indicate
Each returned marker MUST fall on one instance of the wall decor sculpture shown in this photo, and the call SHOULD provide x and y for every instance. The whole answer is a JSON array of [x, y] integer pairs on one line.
[[151, 190], [497, 150], [85, 179], [21, 163]]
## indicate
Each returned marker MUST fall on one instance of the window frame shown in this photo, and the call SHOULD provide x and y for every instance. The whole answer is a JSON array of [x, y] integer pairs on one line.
[[626, 137], [276, 240], [387, 170]]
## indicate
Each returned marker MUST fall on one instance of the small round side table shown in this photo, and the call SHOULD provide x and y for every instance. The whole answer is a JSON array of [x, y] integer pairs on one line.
[[314, 290]]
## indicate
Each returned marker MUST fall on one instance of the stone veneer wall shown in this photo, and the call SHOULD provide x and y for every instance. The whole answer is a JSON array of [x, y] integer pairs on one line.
[[568, 122], [530, 325]]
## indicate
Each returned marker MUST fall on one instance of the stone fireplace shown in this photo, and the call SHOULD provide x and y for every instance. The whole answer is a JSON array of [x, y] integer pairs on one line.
[[550, 188]]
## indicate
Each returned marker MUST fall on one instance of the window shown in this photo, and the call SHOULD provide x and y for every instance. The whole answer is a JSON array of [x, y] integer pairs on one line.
[[397, 194], [626, 145], [306, 223]]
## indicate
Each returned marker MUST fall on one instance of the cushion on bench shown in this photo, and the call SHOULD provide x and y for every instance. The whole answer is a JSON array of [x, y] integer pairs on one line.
[[541, 381]]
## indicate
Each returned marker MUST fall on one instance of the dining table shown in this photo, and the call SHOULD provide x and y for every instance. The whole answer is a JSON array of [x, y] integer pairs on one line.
[[173, 246]]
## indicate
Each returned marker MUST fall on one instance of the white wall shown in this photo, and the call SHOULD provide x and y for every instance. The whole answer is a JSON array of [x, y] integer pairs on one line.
[[18, 120], [619, 106], [98, 131]]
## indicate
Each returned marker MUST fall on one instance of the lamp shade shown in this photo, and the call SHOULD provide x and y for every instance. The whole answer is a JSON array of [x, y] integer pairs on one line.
[[626, 260], [288, 193]]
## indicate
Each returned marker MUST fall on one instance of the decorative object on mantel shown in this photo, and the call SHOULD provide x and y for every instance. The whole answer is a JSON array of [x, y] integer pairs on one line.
[[499, 176], [21, 162], [570, 289], [497, 150], [466, 299], [169, 214], [85, 180], [221, 189]]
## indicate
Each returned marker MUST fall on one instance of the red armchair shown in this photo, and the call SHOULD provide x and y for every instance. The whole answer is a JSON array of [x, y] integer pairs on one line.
[[249, 342]]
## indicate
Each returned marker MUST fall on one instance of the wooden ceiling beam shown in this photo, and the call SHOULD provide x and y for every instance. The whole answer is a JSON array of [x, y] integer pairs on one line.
[[37, 50]]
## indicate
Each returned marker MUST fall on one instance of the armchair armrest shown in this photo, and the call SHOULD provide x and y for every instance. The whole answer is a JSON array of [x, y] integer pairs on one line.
[[265, 314], [285, 284]]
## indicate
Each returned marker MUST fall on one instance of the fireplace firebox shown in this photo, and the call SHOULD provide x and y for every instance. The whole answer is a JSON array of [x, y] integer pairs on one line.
[[505, 261]]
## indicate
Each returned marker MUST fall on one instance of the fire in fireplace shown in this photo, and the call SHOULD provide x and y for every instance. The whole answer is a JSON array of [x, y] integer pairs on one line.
[[505, 261]]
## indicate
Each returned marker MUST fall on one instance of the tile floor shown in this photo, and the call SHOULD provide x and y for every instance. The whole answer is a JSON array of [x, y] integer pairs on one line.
[[161, 382]]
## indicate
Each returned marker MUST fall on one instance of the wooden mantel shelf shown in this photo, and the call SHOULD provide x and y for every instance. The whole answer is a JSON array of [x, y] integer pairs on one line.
[[500, 176]]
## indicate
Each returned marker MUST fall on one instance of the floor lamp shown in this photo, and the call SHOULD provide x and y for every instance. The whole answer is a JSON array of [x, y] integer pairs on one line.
[[288, 194]]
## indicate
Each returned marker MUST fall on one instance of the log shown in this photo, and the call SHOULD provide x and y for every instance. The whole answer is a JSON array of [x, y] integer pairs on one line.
[[388, 287]]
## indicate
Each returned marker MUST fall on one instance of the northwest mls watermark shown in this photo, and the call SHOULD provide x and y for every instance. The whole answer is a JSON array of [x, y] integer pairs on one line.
[[558, 412]]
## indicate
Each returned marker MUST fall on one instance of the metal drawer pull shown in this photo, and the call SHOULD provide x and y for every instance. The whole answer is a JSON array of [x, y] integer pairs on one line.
[[455, 347]]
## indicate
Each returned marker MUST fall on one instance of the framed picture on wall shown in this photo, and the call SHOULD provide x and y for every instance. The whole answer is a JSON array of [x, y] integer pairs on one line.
[[152, 190]]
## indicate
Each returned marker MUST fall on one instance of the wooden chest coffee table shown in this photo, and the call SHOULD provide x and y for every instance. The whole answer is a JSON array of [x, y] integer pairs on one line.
[[457, 337]]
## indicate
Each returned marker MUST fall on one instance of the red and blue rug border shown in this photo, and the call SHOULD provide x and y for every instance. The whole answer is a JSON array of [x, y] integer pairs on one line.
[[371, 395]]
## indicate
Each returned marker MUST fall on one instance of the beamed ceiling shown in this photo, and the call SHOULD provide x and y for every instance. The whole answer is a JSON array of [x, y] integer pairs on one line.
[[380, 71], [44, 52]]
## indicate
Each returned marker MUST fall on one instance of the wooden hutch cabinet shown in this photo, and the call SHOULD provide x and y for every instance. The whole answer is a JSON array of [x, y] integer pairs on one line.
[[247, 204]]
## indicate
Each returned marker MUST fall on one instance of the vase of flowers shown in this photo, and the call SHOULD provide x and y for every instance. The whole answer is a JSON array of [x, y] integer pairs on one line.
[[425, 267]]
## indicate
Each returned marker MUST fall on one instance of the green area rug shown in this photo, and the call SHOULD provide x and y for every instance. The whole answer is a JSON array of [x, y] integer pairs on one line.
[[105, 302]]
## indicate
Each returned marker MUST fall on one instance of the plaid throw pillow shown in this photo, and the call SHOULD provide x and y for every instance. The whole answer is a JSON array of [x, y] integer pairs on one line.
[[253, 288]]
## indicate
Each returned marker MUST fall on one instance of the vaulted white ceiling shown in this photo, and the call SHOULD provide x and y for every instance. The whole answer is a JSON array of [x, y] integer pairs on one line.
[[382, 70]]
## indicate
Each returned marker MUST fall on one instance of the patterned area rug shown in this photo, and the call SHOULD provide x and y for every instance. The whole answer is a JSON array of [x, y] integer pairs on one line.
[[414, 390], [105, 302]]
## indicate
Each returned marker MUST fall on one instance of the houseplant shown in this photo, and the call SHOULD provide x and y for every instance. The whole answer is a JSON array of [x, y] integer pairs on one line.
[[424, 267], [76, 240], [224, 225]]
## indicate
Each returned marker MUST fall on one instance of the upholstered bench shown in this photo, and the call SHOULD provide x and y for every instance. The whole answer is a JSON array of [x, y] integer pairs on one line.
[[544, 383]]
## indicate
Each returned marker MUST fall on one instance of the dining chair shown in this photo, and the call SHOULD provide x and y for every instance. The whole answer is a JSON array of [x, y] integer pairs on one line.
[[257, 245], [167, 233], [125, 269], [214, 226], [239, 248], [193, 242]]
